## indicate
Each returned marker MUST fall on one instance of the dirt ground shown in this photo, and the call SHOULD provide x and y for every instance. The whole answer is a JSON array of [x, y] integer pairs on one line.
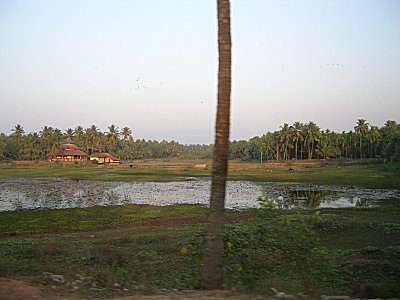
[[20, 289]]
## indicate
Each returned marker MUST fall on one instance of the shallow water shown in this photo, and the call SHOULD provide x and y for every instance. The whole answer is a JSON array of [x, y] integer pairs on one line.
[[55, 193]]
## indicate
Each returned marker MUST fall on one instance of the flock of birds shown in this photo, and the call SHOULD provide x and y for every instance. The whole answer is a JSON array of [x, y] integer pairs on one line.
[[140, 86], [335, 65]]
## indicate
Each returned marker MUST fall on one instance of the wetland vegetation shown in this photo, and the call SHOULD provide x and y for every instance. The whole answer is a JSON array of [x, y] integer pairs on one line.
[[355, 250]]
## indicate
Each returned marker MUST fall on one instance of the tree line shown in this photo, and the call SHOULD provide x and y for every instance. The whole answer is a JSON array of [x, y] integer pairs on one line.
[[297, 141], [307, 141], [45, 144]]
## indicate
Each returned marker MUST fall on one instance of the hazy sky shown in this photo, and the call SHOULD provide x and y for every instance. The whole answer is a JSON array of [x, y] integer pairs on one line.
[[152, 65]]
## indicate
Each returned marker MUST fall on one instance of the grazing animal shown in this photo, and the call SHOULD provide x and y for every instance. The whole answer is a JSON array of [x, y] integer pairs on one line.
[[201, 166], [291, 169]]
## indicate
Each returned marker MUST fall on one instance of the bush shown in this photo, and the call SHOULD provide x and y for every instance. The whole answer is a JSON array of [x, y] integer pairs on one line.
[[295, 242], [277, 245], [393, 166]]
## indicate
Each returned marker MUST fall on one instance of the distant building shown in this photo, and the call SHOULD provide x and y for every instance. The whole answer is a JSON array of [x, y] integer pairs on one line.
[[70, 152], [104, 158]]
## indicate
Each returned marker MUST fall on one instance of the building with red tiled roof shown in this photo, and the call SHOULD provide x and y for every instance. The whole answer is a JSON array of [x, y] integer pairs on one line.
[[104, 158], [70, 152]]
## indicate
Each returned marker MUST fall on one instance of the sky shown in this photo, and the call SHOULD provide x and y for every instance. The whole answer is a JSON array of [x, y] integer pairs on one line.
[[152, 65]]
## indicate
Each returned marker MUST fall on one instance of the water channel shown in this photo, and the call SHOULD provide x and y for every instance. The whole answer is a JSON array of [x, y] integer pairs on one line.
[[56, 193]]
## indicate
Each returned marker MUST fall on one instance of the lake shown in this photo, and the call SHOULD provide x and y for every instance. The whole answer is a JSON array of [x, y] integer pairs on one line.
[[56, 193]]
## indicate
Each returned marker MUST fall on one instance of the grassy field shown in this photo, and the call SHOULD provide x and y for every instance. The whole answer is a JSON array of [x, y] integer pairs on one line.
[[136, 248], [140, 249], [369, 175]]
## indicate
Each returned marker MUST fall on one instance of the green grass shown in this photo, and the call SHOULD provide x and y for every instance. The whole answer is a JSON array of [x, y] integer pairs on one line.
[[99, 217], [361, 245], [104, 173], [371, 175]]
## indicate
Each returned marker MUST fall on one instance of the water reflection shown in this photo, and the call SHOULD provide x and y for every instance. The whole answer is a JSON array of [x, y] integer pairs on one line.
[[287, 197], [54, 193]]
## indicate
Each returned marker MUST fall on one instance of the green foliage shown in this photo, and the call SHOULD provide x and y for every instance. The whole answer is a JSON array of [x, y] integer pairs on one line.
[[298, 141], [276, 245], [362, 246], [83, 219], [295, 242], [8, 149], [393, 166]]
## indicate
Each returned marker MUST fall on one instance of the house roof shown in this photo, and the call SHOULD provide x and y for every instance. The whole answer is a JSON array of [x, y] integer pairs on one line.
[[68, 141], [68, 148], [103, 155], [71, 152]]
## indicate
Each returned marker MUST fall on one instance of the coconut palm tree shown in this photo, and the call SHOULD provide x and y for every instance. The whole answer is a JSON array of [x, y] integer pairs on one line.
[[285, 138], [79, 133], [91, 139], [373, 136], [18, 133], [327, 147], [212, 267], [312, 136], [55, 142], [112, 137], [69, 133], [33, 146], [126, 133], [297, 136], [361, 128], [46, 135], [267, 146]]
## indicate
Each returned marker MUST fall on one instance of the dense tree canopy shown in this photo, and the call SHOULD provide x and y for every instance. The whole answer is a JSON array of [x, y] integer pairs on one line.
[[296, 141]]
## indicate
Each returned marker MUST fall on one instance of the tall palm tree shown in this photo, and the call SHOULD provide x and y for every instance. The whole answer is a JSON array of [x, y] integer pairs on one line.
[[126, 133], [55, 141], [112, 136], [32, 148], [350, 142], [312, 136], [326, 145], [297, 136], [285, 138], [373, 138], [267, 145], [91, 139], [79, 133], [69, 133], [275, 137], [18, 133], [361, 128], [46, 135], [341, 143], [212, 267]]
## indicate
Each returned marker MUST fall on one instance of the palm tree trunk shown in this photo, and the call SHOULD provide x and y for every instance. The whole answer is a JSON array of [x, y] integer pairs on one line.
[[212, 268], [301, 151], [277, 152]]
